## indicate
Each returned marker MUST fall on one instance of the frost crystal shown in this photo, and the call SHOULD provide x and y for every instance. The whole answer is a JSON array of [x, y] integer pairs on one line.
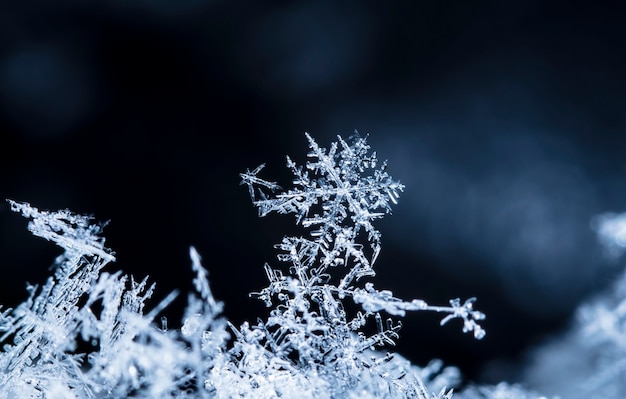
[[86, 333], [337, 195]]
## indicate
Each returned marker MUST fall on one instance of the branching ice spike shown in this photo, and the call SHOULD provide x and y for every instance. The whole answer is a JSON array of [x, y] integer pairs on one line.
[[336, 196], [340, 197], [341, 190], [250, 179], [465, 312], [201, 281], [74, 233]]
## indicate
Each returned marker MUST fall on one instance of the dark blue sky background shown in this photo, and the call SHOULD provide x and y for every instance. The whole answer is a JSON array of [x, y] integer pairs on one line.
[[504, 119]]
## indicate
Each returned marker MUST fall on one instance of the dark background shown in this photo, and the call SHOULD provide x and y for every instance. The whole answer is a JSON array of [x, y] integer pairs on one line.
[[504, 119]]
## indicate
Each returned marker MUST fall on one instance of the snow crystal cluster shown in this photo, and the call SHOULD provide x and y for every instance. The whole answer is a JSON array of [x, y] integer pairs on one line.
[[86, 333]]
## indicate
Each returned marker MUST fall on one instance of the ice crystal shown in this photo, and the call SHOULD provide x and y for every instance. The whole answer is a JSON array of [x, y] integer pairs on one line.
[[83, 334], [337, 195], [86, 333]]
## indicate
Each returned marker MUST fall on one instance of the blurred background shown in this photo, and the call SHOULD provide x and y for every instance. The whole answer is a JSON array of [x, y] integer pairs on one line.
[[504, 119]]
